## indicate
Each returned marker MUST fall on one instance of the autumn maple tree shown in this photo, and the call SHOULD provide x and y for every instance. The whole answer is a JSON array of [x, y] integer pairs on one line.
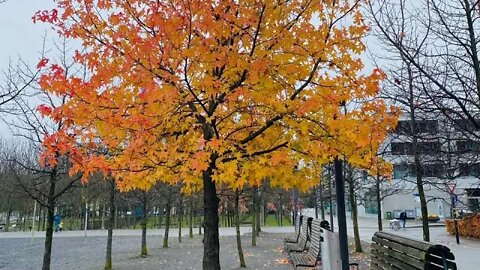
[[195, 92]]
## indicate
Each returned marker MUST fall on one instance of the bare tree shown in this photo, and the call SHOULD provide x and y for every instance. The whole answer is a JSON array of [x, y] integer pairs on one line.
[[44, 178]]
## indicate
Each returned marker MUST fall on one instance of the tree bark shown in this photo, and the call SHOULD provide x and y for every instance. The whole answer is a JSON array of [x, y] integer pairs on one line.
[[254, 217], [167, 223], [330, 196], [190, 218], [47, 255], [144, 251], [257, 212], [103, 215], [180, 219], [237, 229], [211, 243], [111, 223], [353, 205]]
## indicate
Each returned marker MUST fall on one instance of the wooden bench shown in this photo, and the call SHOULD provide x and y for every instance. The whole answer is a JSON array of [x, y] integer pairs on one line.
[[311, 257], [298, 226], [391, 251], [301, 245]]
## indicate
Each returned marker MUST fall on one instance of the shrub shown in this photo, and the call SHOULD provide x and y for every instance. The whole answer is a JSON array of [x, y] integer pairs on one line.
[[468, 226]]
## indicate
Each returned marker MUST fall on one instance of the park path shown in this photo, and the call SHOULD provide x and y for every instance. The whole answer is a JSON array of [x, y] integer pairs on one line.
[[467, 253]]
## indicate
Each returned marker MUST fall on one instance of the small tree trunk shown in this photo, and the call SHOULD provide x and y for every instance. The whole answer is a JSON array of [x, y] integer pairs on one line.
[[180, 219], [254, 217], [103, 216], [144, 251], [200, 224], [322, 206], [190, 219], [167, 224], [257, 212], [353, 205], [40, 218], [7, 222], [237, 229], [330, 198], [47, 255], [111, 223]]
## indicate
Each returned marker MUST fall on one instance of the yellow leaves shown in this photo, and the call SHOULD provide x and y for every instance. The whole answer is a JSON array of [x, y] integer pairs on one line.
[[199, 162], [173, 87]]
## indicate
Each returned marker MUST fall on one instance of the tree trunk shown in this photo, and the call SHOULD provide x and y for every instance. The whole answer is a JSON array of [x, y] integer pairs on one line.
[[257, 212], [237, 229], [416, 155], [322, 206], [103, 216], [379, 202], [353, 205], [180, 219], [167, 223], [330, 198], [190, 218], [423, 201], [40, 218], [199, 224], [254, 217], [211, 243], [7, 222], [47, 255], [111, 223], [144, 251]]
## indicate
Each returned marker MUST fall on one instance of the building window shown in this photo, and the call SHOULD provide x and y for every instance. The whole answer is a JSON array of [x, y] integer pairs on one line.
[[467, 146], [371, 202], [433, 170], [421, 126], [467, 125], [466, 169], [429, 148], [401, 148]]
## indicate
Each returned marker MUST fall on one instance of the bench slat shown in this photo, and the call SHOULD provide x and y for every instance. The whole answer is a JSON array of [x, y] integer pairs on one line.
[[417, 244], [436, 262], [397, 259], [401, 248], [381, 264]]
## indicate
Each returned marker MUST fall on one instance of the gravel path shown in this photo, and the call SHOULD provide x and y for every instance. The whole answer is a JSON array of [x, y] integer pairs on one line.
[[89, 253]]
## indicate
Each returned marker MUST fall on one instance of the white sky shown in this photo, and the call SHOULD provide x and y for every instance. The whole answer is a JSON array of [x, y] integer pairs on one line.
[[20, 37]]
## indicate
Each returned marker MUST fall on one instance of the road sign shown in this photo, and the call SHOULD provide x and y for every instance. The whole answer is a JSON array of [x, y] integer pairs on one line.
[[454, 199], [451, 187]]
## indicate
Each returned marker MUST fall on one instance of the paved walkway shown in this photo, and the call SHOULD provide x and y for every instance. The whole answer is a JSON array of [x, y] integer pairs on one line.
[[73, 251], [466, 254]]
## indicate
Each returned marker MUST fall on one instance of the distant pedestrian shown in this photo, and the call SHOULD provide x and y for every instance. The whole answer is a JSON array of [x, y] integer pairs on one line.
[[403, 218], [57, 219]]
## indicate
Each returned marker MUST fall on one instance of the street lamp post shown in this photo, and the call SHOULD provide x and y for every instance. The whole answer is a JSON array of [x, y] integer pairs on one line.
[[341, 216]]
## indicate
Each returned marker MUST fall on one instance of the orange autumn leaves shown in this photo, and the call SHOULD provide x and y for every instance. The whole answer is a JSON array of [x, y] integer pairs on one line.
[[249, 89]]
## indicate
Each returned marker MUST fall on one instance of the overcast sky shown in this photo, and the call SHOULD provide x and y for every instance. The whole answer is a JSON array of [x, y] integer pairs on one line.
[[20, 37]]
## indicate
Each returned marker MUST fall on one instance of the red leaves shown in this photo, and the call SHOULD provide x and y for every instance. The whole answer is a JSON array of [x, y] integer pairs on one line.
[[44, 110], [42, 63], [46, 16]]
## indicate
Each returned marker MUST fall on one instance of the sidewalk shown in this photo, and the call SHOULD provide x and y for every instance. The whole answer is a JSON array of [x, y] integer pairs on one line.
[[466, 254]]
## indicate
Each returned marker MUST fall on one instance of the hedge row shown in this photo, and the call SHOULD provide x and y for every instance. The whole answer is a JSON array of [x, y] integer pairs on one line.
[[467, 226]]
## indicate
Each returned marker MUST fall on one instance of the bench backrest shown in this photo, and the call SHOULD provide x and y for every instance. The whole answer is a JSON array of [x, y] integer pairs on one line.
[[315, 239], [298, 224], [391, 251], [304, 233]]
